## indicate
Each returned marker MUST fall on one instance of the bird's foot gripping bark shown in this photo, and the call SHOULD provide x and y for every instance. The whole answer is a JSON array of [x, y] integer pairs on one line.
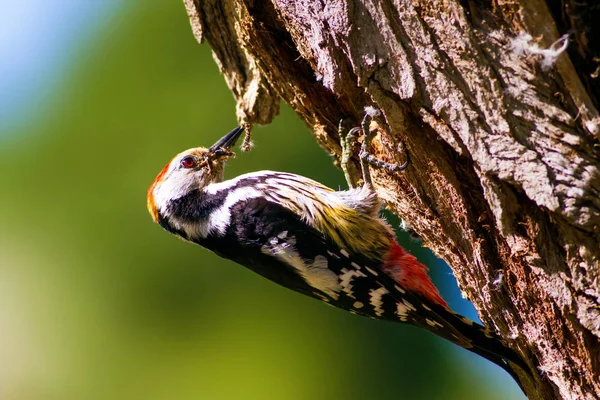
[[348, 139]]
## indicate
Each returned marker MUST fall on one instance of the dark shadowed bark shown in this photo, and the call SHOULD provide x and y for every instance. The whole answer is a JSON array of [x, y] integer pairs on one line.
[[499, 117]]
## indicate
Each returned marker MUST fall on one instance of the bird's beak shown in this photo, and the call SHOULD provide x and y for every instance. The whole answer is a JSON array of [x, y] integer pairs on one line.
[[227, 141]]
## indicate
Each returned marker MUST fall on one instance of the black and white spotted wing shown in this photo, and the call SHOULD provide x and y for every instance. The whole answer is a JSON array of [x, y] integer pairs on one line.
[[272, 241]]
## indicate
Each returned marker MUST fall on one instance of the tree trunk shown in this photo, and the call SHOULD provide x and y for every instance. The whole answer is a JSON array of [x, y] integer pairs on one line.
[[499, 118]]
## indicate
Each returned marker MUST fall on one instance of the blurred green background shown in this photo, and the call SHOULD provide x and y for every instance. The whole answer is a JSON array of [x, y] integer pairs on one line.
[[96, 302]]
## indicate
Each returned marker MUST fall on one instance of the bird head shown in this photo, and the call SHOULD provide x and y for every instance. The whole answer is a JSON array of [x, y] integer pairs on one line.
[[190, 170]]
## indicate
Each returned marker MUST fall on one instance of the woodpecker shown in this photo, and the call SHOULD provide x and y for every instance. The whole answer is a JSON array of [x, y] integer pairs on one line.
[[329, 245]]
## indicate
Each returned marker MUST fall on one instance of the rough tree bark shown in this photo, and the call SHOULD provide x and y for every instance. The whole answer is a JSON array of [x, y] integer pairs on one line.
[[502, 130]]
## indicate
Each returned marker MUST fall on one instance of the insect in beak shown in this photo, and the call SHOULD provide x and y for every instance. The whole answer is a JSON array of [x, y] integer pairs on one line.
[[224, 145]]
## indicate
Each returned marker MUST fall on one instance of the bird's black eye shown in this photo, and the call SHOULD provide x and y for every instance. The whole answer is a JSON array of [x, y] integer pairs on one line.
[[188, 162]]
